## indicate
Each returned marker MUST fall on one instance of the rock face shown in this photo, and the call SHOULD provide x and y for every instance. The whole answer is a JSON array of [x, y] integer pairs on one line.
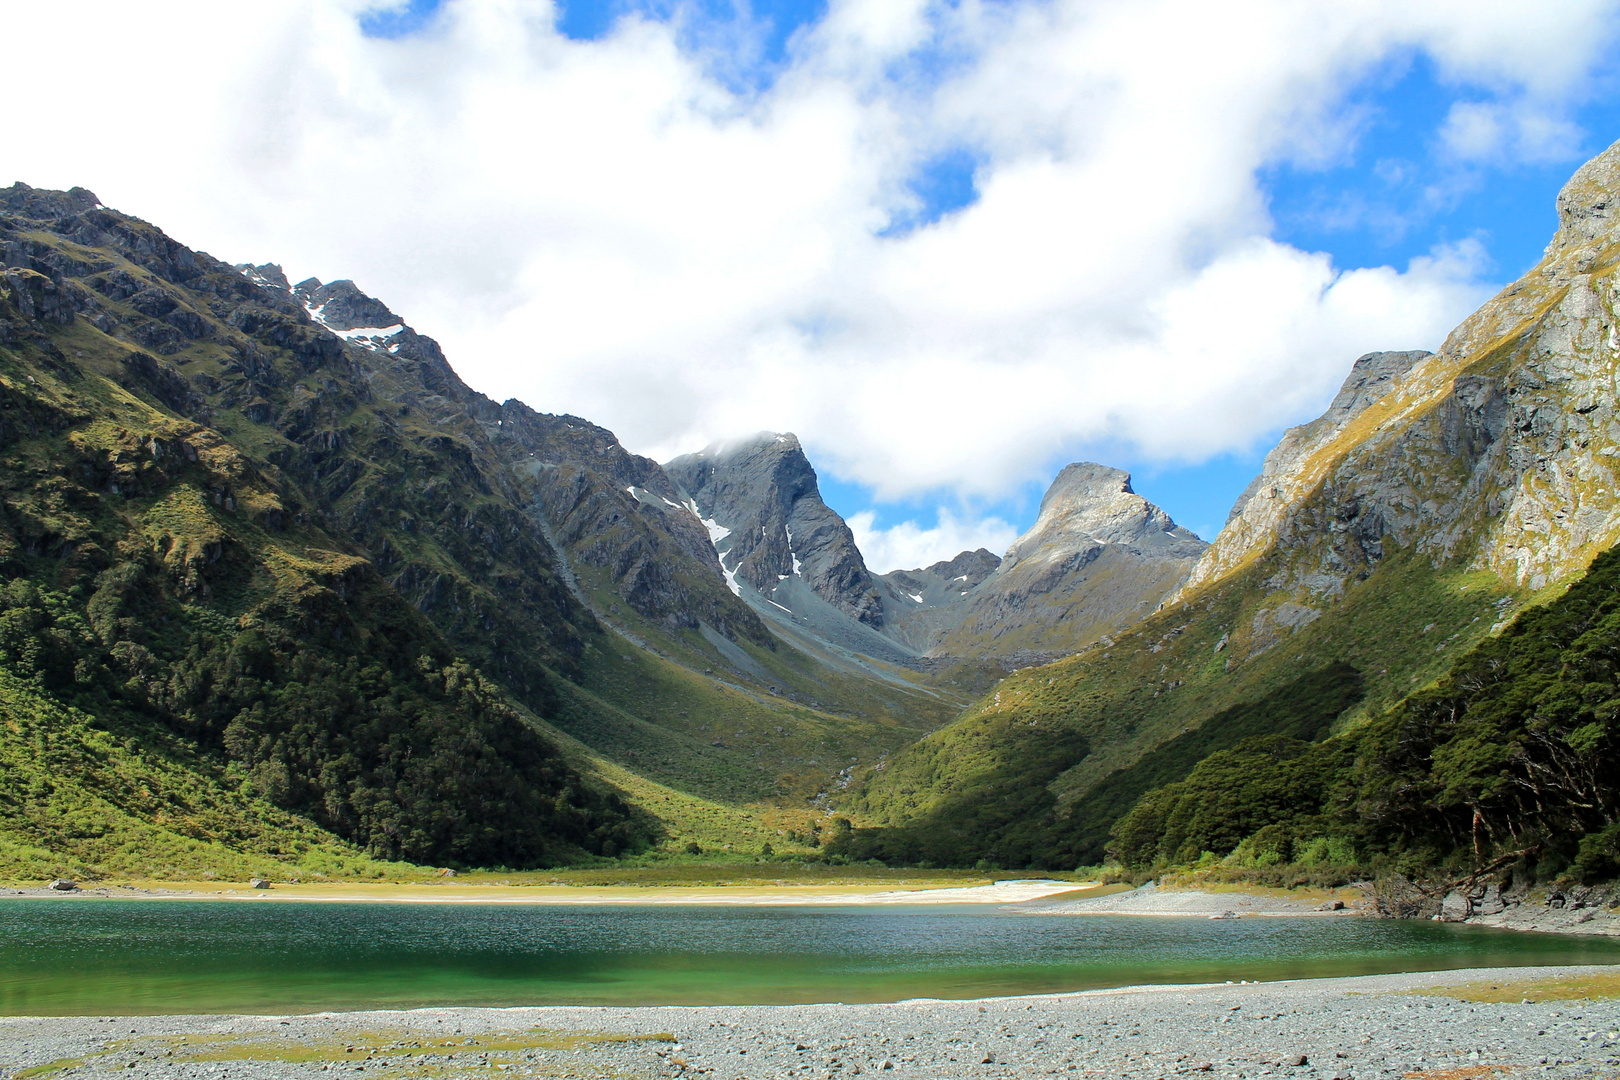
[[342, 307], [920, 606], [761, 504], [568, 572], [600, 506], [1098, 558], [1371, 377], [1498, 451]]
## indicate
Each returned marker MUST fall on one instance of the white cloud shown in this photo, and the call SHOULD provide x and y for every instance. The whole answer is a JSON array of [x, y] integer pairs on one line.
[[605, 228], [908, 546], [1522, 131]]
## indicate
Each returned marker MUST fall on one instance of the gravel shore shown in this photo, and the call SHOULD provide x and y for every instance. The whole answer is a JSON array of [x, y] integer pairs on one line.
[[1589, 911], [1357, 1028], [1151, 900]]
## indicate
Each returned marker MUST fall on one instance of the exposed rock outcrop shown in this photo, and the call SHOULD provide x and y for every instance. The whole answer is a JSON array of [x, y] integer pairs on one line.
[[604, 507], [921, 605], [341, 306], [1499, 450], [1371, 377], [1098, 558], [765, 515]]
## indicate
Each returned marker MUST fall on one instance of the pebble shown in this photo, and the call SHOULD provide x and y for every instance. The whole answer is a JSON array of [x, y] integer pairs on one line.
[[1366, 1028]]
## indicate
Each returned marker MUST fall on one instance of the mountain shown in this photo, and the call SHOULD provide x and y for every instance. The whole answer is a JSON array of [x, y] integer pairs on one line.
[[279, 545], [1371, 377], [279, 591], [1437, 497], [1098, 558], [761, 504], [205, 602], [920, 606]]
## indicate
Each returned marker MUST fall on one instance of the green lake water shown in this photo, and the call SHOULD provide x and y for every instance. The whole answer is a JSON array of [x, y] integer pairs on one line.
[[87, 956]]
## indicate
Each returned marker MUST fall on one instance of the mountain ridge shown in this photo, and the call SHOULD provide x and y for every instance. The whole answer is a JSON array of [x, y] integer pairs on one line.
[[1401, 529]]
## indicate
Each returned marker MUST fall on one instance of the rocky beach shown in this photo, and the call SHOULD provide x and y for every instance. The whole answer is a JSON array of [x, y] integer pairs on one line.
[[1442, 1025], [1572, 909]]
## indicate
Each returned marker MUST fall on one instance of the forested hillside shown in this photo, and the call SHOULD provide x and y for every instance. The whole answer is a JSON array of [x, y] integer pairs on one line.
[[266, 560], [168, 586], [1439, 497], [1509, 758]]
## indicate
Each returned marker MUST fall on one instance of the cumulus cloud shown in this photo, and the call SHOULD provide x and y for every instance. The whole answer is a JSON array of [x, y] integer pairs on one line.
[[614, 228], [907, 546]]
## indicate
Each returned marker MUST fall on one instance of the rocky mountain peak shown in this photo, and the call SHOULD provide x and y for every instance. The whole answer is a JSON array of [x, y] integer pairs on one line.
[[269, 275], [1372, 377], [1588, 203], [43, 205], [1090, 503], [970, 567], [762, 505], [341, 306], [1496, 452], [1098, 558]]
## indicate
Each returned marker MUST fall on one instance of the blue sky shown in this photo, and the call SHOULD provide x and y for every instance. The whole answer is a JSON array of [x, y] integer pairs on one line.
[[1394, 193], [952, 244], [1373, 207]]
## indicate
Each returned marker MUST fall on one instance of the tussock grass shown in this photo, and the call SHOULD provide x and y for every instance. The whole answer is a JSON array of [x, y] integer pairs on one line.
[[1598, 986]]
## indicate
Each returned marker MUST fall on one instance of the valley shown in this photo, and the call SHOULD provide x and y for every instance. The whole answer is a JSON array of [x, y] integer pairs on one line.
[[284, 596]]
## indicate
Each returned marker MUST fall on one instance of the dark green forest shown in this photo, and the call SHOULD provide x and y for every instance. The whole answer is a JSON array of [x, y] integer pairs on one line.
[[1009, 818], [1508, 760], [179, 591]]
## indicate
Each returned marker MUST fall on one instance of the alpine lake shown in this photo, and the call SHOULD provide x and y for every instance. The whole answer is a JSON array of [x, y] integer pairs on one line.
[[89, 956]]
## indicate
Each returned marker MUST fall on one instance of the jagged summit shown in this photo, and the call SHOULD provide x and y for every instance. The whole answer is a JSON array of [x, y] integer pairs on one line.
[[42, 204], [770, 527], [1588, 202], [1518, 402], [1386, 543], [1092, 502], [970, 567], [1098, 558], [1371, 377], [341, 306]]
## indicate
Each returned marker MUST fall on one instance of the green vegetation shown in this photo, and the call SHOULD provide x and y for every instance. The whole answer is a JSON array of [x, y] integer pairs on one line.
[[1008, 816], [989, 814], [85, 801], [1303, 709], [341, 586], [269, 603], [1598, 986], [1506, 761], [1220, 654], [415, 1053], [263, 696]]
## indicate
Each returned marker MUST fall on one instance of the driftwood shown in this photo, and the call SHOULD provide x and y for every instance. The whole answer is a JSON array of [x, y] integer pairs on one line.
[[1397, 897]]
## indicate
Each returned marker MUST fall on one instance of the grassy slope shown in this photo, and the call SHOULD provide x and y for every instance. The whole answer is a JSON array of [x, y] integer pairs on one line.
[[653, 711], [1507, 760], [1164, 676], [85, 801], [775, 734], [93, 473], [1303, 709]]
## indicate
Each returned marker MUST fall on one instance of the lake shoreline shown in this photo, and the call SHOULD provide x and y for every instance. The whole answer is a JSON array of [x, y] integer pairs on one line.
[[1034, 896], [1002, 893], [1365, 1026]]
